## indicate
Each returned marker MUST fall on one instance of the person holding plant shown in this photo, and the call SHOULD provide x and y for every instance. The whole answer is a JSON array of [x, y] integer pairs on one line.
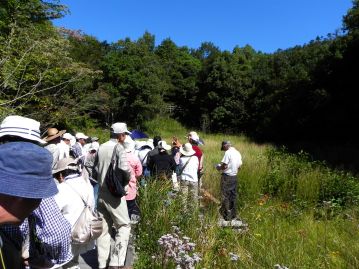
[[229, 167]]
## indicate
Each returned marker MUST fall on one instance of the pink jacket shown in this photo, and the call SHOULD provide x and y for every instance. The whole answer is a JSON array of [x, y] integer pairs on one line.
[[136, 171]]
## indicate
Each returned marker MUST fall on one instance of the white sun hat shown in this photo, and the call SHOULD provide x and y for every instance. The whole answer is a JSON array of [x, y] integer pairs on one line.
[[81, 136], [22, 127], [120, 128], [163, 145], [187, 149]]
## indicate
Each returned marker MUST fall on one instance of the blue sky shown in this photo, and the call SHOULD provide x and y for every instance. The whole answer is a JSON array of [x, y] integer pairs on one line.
[[266, 25]]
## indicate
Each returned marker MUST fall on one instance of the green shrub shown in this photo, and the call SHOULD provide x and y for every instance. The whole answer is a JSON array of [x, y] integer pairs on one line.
[[293, 177]]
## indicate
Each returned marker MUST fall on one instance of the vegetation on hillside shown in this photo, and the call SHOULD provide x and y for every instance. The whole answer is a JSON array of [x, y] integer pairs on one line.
[[306, 92]]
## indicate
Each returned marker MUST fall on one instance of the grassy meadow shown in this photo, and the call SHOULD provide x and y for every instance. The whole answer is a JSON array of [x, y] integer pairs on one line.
[[300, 214]]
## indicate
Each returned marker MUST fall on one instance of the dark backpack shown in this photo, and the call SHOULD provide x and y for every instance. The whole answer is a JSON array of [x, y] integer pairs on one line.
[[116, 179]]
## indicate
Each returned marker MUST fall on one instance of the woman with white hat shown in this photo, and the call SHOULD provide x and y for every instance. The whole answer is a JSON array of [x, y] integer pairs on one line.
[[188, 167]]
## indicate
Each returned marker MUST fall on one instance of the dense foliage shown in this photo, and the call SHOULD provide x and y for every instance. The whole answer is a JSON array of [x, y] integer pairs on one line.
[[305, 92]]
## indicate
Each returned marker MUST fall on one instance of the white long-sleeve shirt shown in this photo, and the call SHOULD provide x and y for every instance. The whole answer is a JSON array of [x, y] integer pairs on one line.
[[189, 173]]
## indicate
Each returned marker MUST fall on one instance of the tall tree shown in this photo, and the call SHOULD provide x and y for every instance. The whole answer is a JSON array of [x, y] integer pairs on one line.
[[135, 80], [37, 76], [182, 70]]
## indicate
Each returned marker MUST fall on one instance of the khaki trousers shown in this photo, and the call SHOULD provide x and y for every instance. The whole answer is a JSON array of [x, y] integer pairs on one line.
[[189, 191], [114, 212]]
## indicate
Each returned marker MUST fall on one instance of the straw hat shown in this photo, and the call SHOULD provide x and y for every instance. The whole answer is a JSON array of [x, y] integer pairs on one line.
[[53, 133]]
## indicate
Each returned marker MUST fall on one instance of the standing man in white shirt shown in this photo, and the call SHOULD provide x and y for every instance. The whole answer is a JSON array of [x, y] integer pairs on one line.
[[229, 167]]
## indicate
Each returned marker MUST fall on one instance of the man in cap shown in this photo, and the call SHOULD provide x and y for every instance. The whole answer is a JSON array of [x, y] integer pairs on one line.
[[229, 166], [25, 179], [113, 209]]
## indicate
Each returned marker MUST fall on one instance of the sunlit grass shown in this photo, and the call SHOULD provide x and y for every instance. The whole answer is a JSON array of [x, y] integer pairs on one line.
[[300, 214]]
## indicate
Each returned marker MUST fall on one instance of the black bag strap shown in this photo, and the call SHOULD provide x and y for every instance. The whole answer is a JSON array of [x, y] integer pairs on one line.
[[114, 153], [181, 171], [143, 160]]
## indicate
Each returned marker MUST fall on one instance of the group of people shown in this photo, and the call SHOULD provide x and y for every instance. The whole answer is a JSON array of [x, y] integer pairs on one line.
[[45, 181]]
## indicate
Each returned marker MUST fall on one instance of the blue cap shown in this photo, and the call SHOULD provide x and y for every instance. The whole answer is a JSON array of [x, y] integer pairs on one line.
[[25, 171]]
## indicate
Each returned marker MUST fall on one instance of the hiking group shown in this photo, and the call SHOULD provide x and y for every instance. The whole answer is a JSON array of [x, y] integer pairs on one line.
[[56, 201]]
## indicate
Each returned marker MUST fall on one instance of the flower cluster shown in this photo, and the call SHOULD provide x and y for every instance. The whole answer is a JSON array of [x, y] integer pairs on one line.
[[181, 250], [233, 257], [278, 266]]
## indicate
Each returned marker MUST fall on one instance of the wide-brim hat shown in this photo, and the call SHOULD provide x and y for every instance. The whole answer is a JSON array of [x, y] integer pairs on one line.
[[65, 164], [120, 128], [187, 150], [53, 133], [22, 127], [25, 171], [194, 137]]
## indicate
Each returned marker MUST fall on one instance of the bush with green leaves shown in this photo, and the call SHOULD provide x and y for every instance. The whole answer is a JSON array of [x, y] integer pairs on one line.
[[294, 177]]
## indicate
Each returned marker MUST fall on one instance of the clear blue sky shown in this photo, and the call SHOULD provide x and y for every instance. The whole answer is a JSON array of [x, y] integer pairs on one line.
[[266, 25]]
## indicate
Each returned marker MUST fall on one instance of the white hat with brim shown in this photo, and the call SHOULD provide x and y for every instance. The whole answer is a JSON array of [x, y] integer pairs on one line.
[[163, 145], [120, 128], [22, 127], [67, 136], [187, 150], [81, 136]]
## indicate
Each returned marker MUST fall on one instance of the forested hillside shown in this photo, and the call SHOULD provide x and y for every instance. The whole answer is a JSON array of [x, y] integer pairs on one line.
[[304, 93]]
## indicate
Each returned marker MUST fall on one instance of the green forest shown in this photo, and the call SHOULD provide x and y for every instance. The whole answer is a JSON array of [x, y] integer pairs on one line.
[[70, 79]]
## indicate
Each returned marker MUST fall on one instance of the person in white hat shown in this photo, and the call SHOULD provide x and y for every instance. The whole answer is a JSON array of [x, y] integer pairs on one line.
[[188, 167], [113, 209], [64, 146], [77, 149], [143, 150], [194, 139]]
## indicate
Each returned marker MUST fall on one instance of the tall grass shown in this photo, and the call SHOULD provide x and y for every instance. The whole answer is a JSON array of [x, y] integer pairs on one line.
[[301, 214]]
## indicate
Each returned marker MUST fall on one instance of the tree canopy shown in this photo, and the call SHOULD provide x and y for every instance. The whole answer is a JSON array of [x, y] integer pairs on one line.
[[306, 91]]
